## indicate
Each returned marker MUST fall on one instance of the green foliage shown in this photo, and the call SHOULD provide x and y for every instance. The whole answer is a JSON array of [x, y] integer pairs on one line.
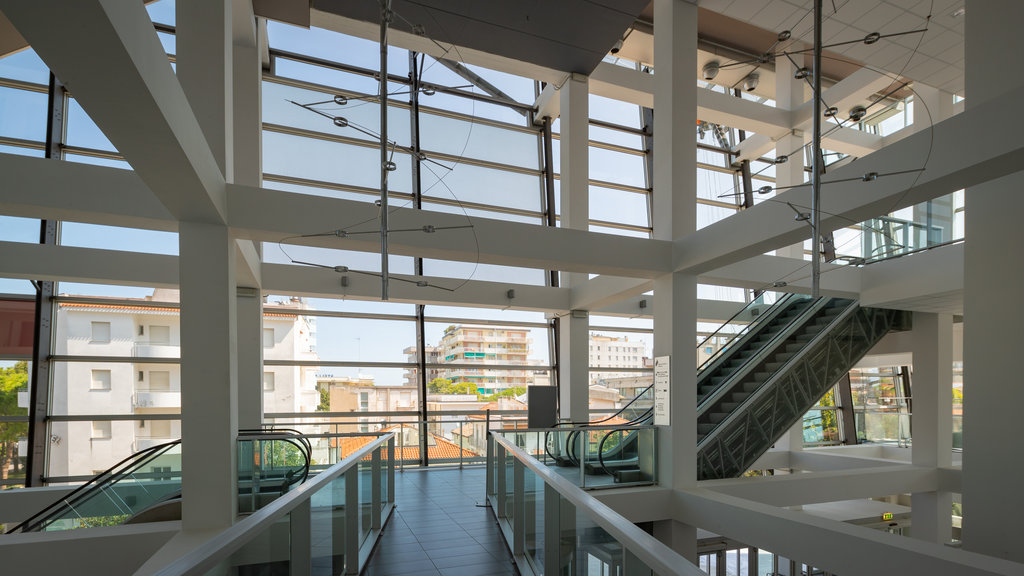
[[507, 393], [325, 399], [446, 386], [12, 380], [96, 521]]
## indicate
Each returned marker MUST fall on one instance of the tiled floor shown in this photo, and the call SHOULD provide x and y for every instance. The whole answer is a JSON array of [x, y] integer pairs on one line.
[[438, 530]]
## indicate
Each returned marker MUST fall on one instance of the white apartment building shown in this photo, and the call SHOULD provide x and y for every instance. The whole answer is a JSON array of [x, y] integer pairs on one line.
[[121, 359]]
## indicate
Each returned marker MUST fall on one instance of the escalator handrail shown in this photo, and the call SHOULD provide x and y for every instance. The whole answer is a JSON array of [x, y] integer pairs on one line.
[[850, 309], [711, 365], [109, 476], [780, 304], [809, 313], [620, 446], [547, 450], [570, 444], [291, 436]]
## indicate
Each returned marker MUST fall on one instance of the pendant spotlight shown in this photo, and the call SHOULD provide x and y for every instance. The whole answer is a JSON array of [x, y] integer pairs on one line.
[[710, 70], [750, 82]]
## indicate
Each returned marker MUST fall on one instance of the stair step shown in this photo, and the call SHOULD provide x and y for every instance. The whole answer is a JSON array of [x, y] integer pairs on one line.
[[704, 429], [740, 396], [717, 417], [729, 406]]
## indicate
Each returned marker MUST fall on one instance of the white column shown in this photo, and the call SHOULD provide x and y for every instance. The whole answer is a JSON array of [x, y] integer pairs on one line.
[[789, 95], [932, 421], [208, 376], [574, 331], [246, 154], [993, 307], [675, 215], [250, 357], [204, 63]]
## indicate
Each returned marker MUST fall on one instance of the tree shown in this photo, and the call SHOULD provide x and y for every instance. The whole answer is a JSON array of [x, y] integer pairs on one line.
[[12, 380], [325, 398], [507, 393], [446, 386]]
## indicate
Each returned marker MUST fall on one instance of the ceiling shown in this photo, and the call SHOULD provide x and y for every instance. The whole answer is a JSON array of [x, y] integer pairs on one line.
[[567, 35], [934, 57]]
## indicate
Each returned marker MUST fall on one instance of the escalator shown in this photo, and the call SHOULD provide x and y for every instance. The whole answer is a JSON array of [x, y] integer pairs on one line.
[[146, 486], [763, 380]]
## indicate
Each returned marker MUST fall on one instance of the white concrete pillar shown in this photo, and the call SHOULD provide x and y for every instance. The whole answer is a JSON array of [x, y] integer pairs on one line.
[[993, 307], [250, 357], [574, 328], [203, 64], [675, 215], [246, 97], [932, 420], [208, 376], [789, 95]]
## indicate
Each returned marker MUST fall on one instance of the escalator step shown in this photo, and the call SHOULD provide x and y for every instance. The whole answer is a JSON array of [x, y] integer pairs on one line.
[[704, 429], [729, 406], [740, 396], [717, 417]]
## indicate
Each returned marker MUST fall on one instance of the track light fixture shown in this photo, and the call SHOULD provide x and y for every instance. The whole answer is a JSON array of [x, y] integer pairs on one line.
[[831, 111], [802, 73], [785, 35], [750, 82], [710, 70]]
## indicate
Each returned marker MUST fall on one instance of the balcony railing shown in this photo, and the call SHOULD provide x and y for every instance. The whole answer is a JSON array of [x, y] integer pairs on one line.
[[156, 399], [156, 350]]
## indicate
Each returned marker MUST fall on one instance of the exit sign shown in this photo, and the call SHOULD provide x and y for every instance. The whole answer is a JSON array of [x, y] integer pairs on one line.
[[887, 516]]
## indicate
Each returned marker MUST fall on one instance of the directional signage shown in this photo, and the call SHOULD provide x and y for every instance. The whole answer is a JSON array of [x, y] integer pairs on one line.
[[662, 382]]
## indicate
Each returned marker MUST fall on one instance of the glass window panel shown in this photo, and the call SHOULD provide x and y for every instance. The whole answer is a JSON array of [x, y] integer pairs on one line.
[[713, 158], [18, 150], [473, 212], [371, 307], [360, 339], [331, 193], [82, 131], [481, 141], [330, 161], [618, 206], [714, 185], [622, 321], [615, 111], [109, 162], [14, 229], [283, 254], [25, 66], [14, 401], [466, 183], [611, 136], [501, 314], [116, 238], [728, 293], [708, 215], [349, 81], [361, 115], [162, 11], [330, 45], [481, 272], [168, 41], [73, 451], [22, 114], [112, 388], [617, 167], [620, 231], [466, 343], [472, 107]]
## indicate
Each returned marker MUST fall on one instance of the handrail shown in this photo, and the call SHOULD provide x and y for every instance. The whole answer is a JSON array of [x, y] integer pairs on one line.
[[730, 320], [767, 384], [220, 547], [137, 459], [769, 347], [656, 555], [739, 340]]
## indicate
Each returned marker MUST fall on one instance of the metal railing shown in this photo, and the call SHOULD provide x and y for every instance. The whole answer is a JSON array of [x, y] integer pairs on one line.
[[332, 506], [554, 527]]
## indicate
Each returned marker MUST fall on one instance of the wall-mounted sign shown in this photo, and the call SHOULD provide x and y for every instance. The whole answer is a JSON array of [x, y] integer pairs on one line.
[[662, 381], [887, 516]]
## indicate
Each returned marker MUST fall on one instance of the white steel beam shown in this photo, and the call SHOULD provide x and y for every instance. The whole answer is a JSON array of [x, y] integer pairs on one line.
[[88, 265], [270, 215], [827, 544], [128, 87], [947, 163]]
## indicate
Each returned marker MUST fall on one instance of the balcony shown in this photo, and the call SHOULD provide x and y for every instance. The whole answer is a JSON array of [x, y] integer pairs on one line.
[[156, 399], [156, 350]]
